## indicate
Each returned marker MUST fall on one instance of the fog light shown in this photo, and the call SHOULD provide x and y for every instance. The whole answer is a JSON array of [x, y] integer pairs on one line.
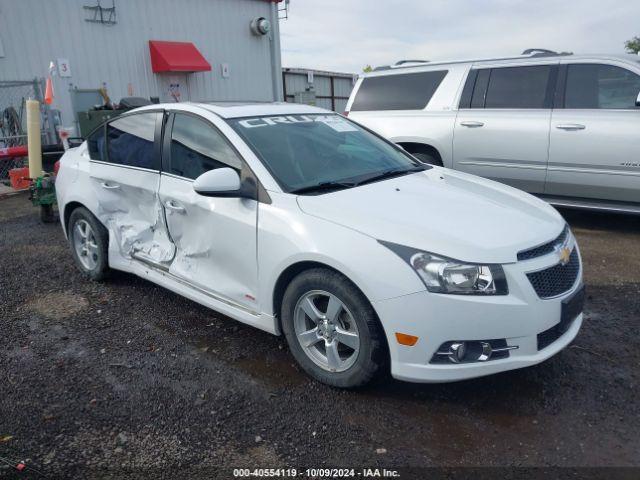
[[458, 351], [471, 351]]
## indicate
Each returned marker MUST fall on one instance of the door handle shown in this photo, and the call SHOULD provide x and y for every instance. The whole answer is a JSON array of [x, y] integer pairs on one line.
[[171, 205], [570, 126], [109, 186], [472, 124]]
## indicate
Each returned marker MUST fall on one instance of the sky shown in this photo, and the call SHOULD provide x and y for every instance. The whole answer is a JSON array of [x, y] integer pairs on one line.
[[346, 35]]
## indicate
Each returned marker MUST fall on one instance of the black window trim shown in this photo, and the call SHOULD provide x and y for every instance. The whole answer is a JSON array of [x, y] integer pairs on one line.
[[560, 98], [549, 100], [261, 194], [467, 90], [156, 141]]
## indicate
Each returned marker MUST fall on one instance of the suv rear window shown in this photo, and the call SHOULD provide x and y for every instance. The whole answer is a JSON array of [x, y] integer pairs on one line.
[[518, 87], [508, 87], [405, 91]]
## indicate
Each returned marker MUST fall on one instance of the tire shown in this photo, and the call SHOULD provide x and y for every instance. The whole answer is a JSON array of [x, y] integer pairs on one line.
[[357, 363], [94, 263], [427, 158]]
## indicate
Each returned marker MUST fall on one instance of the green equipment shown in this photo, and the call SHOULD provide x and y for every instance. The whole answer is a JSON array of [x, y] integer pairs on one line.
[[42, 193]]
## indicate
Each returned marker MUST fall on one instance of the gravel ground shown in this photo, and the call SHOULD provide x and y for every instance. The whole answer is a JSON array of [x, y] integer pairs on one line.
[[125, 378]]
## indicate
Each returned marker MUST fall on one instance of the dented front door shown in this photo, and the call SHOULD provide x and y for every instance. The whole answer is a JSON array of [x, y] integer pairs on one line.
[[126, 183], [215, 238]]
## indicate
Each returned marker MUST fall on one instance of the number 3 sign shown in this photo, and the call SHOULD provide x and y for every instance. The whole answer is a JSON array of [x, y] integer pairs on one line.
[[64, 70]]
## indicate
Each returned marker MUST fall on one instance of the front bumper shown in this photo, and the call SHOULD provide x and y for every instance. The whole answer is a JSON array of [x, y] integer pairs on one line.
[[438, 318]]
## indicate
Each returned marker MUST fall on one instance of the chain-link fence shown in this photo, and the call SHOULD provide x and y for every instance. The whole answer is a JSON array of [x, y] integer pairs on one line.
[[13, 119]]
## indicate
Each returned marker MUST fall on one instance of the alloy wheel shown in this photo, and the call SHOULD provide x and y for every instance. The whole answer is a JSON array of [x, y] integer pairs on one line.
[[326, 331], [85, 245]]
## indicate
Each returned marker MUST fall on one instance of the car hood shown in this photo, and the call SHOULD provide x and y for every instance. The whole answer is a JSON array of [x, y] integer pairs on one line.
[[450, 213]]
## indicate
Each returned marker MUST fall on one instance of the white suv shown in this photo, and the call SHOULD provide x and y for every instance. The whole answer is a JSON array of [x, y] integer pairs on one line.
[[296, 220], [563, 127]]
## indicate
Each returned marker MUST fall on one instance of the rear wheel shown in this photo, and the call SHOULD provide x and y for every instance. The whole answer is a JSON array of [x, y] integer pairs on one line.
[[89, 241], [424, 153], [332, 330]]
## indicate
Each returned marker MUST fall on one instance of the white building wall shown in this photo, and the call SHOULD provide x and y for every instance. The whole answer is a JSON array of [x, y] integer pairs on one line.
[[35, 32]]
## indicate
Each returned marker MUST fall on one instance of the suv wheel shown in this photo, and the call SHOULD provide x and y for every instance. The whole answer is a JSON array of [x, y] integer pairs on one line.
[[89, 241], [332, 330]]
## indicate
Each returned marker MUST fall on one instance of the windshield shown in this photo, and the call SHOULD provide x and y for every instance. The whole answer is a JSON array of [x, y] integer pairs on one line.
[[304, 151]]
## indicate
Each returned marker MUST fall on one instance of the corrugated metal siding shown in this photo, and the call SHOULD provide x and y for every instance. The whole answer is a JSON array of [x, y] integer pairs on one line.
[[296, 81], [35, 32]]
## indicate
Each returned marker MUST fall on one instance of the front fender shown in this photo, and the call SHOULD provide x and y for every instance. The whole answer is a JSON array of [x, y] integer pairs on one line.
[[287, 236]]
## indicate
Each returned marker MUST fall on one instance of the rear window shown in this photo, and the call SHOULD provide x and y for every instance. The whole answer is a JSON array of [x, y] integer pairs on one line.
[[406, 91], [130, 140], [96, 144], [518, 87]]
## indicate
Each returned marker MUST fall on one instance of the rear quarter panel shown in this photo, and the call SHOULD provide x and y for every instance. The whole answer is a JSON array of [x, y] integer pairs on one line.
[[434, 125], [72, 183]]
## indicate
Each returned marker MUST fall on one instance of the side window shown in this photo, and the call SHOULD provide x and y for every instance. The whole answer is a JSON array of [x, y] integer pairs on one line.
[[196, 147], [518, 87], [404, 91], [130, 140], [96, 145], [601, 86]]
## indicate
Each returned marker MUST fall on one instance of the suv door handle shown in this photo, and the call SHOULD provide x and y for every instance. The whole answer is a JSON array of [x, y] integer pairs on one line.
[[570, 126], [109, 186], [472, 124], [171, 205]]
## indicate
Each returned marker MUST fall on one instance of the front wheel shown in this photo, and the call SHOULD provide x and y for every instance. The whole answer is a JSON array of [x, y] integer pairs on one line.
[[332, 330]]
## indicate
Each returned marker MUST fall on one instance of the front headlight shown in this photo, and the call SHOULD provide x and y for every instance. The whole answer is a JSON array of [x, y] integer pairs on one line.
[[444, 275]]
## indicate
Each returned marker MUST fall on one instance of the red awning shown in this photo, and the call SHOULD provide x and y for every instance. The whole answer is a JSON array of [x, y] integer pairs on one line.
[[176, 57]]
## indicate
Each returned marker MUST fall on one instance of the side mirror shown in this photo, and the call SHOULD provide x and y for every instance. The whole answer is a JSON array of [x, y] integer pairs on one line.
[[221, 182], [638, 100]]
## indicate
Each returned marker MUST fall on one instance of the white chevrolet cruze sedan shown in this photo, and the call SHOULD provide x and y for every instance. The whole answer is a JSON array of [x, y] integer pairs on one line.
[[296, 220]]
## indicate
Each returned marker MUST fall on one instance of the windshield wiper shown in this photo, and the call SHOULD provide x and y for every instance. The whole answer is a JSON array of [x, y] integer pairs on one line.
[[324, 186], [394, 172]]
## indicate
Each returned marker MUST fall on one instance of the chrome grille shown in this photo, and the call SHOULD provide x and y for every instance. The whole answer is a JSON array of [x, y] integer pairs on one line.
[[545, 248], [558, 279]]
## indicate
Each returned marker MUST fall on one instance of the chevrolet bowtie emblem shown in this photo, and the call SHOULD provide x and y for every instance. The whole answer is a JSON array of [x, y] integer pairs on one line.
[[565, 255]]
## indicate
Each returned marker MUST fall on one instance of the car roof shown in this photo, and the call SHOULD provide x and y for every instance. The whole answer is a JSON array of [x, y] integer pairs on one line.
[[418, 66], [248, 109]]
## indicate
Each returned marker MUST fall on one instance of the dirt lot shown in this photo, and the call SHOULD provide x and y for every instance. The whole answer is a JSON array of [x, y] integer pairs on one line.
[[125, 377]]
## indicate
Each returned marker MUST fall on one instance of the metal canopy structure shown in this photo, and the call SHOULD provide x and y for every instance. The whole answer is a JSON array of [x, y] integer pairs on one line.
[[176, 57]]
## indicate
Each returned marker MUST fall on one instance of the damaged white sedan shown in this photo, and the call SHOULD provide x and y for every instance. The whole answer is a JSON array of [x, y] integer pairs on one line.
[[298, 221]]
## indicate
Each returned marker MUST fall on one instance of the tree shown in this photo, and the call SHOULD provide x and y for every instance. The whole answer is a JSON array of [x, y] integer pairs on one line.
[[367, 69], [633, 45]]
